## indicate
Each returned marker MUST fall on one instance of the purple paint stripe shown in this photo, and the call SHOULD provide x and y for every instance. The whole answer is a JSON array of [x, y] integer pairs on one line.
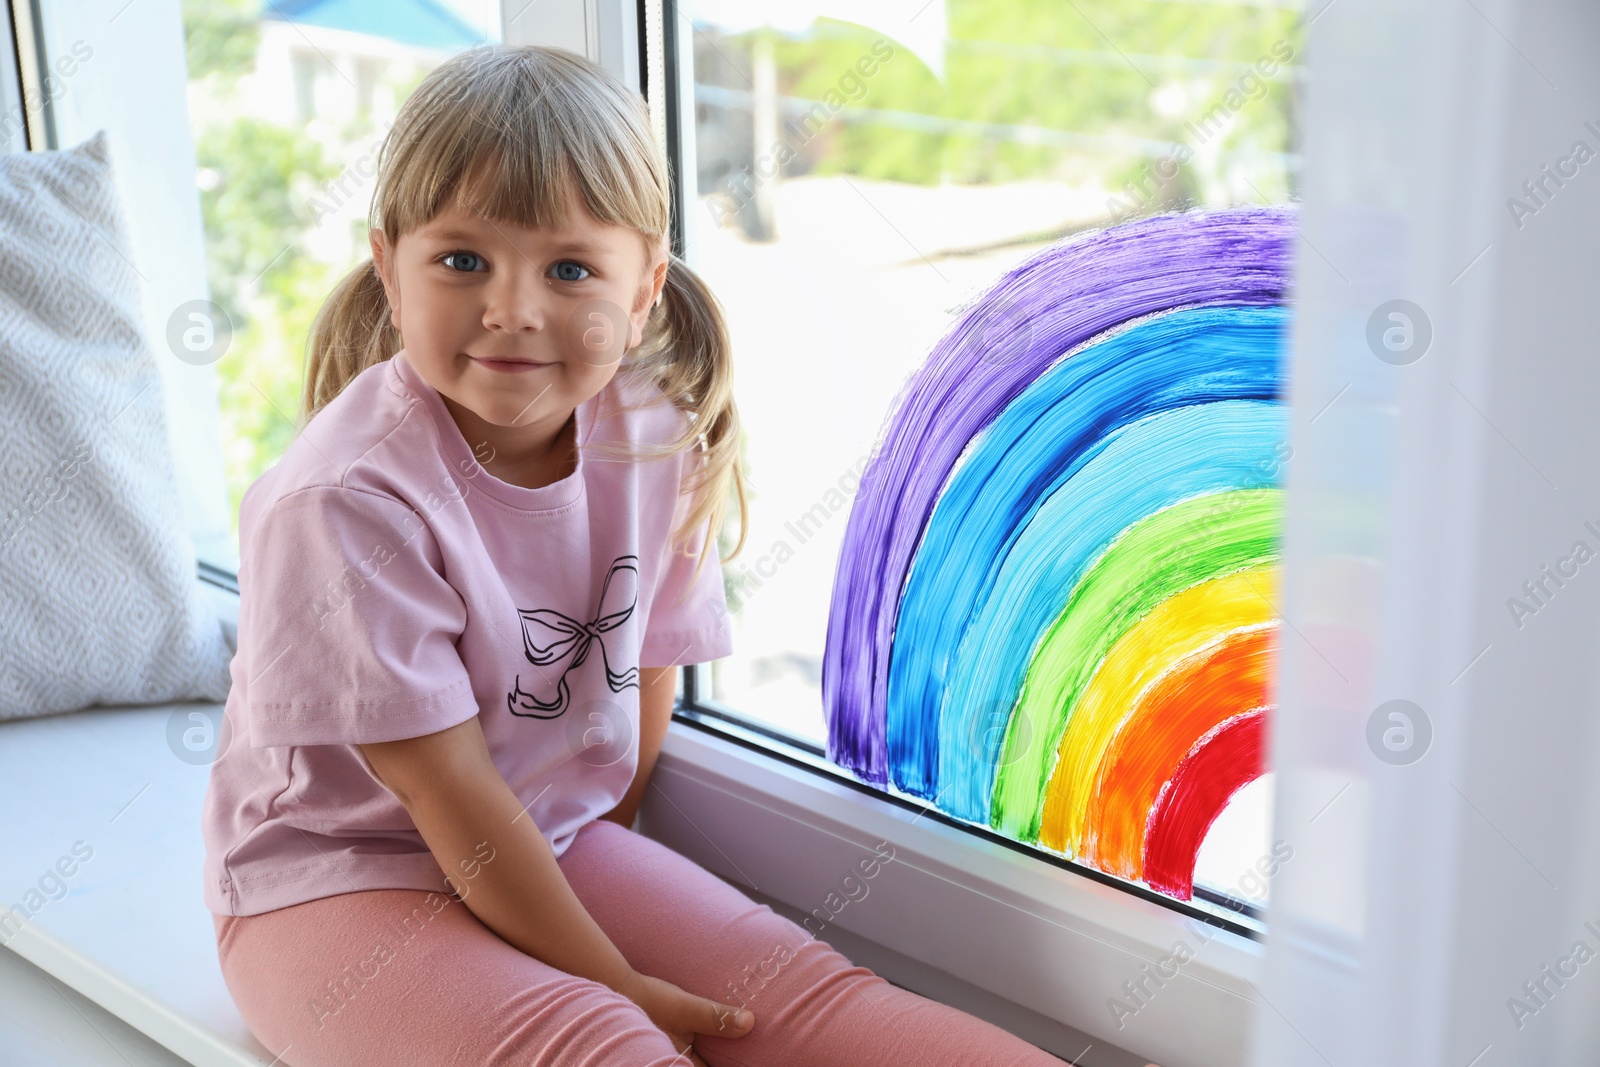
[[1057, 300]]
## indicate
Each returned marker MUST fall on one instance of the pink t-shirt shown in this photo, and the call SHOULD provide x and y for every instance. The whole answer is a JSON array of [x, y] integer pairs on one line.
[[391, 587]]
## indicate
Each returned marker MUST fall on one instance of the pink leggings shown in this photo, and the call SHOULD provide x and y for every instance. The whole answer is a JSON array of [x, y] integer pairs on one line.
[[450, 993]]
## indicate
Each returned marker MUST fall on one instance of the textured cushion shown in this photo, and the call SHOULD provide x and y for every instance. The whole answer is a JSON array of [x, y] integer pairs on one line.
[[99, 601]]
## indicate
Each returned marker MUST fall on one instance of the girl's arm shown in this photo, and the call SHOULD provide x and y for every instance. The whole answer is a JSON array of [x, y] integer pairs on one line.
[[488, 846], [657, 691], [506, 874]]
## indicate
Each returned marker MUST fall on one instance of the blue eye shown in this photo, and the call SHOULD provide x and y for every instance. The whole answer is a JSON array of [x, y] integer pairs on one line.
[[573, 264], [469, 255]]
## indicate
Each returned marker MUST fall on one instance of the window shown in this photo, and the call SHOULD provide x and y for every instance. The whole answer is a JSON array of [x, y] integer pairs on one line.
[[861, 173], [854, 185]]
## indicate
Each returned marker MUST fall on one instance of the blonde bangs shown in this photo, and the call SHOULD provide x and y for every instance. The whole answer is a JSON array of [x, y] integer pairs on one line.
[[494, 137]]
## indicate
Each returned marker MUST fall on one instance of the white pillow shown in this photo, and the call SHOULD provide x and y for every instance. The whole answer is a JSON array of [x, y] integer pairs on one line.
[[99, 599]]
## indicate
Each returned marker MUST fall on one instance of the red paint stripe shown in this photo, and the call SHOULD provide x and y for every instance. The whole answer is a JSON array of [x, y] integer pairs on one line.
[[1222, 763], [1202, 692]]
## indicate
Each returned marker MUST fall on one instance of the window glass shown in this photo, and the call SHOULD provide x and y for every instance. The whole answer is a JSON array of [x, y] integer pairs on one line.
[[287, 112], [864, 171]]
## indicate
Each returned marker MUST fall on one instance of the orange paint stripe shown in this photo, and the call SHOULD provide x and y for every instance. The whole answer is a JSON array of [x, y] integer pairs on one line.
[[1227, 679]]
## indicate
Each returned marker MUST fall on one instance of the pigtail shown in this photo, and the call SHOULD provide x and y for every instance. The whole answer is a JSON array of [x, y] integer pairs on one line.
[[352, 331], [691, 361]]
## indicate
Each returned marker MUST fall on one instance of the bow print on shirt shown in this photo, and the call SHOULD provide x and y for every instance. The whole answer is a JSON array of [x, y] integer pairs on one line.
[[548, 637]]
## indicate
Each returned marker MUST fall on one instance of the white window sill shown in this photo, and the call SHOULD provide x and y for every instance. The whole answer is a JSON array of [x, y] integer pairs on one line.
[[127, 928]]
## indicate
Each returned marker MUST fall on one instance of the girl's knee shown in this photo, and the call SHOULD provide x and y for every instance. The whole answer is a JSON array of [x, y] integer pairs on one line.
[[794, 969], [583, 1024]]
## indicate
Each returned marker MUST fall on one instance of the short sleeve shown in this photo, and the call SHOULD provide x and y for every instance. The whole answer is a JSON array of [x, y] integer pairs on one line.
[[688, 620], [348, 625]]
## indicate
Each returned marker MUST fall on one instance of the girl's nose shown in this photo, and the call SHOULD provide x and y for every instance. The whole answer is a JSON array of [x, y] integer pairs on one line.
[[516, 305]]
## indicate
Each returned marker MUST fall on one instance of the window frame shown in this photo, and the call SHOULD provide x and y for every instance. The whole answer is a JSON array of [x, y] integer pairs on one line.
[[21, 89]]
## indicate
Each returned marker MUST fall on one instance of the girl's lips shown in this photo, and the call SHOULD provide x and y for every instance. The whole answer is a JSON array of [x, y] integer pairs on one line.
[[510, 366]]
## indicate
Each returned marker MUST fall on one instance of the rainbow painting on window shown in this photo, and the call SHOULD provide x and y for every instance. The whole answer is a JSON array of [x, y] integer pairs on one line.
[[1054, 610]]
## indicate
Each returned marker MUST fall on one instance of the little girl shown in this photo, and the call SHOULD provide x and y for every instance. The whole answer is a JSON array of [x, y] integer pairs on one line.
[[462, 603]]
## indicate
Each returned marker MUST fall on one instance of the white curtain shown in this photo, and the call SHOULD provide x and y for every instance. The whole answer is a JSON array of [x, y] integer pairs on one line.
[[1436, 750]]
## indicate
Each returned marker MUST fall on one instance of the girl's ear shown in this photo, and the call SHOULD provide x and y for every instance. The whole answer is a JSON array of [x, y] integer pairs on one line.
[[663, 263], [657, 272], [380, 261]]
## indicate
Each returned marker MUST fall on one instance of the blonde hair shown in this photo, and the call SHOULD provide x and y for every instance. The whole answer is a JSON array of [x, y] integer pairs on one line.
[[551, 127]]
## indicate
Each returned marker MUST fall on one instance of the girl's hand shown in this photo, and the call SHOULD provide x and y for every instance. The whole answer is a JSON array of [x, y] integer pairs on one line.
[[682, 1015]]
